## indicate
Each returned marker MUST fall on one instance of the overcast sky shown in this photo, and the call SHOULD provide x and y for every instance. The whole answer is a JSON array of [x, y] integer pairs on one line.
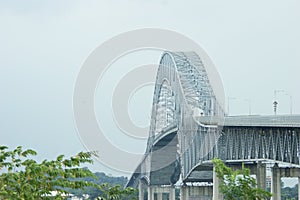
[[255, 46]]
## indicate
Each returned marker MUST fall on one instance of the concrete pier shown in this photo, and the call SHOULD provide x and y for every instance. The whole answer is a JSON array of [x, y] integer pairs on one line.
[[141, 190], [261, 175], [275, 183], [216, 183], [150, 193]]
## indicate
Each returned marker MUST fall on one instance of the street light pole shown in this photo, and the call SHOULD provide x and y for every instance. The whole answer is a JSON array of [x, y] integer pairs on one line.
[[291, 103], [228, 102], [275, 103], [275, 94]]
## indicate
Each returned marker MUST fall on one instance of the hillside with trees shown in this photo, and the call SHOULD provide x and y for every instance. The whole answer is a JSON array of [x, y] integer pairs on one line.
[[288, 193], [108, 182]]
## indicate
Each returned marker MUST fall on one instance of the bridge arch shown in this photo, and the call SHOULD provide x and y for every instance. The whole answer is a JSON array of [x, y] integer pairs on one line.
[[182, 94]]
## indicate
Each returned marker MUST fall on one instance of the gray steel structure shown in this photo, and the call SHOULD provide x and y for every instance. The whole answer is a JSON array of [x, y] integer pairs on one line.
[[189, 128]]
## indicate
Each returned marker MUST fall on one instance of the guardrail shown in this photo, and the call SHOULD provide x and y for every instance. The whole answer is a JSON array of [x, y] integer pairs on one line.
[[263, 121]]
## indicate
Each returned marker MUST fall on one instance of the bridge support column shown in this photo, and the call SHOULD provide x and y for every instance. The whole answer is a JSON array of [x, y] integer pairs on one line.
[[184, 193], [298, 188], [261, 175], [159, 196], [150, 193], [275, 185], [141, 191], [172, 193], [216, 183]]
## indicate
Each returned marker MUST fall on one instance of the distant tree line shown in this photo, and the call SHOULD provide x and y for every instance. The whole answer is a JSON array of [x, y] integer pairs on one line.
[[107, 182], [288, 193]]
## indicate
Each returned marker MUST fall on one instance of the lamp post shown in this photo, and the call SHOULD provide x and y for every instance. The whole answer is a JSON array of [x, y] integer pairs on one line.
[[275, 103], [276, 92], [291, 103], [228, 102]]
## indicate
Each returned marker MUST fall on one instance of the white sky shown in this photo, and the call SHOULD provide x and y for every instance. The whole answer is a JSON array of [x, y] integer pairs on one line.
[[255, 46]]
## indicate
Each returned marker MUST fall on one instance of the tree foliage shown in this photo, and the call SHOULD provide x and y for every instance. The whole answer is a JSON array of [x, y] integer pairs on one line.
[[23, 178], [117, 193], [238, 184]]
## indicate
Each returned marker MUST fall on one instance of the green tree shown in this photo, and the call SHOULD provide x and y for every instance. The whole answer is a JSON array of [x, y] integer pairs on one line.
[[24, 178], [238, 184], [117, 193]]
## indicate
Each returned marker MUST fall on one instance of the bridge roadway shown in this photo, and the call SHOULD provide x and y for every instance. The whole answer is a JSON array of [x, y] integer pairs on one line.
[[263, 121], [255, 140]]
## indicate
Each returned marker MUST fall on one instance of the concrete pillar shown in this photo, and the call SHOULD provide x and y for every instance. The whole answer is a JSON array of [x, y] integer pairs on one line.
[[261, 176], [172, 193], [275, 185], [159, 196], [298, 188], [184, 192], [141, 191], [216, 183], [150, 193]]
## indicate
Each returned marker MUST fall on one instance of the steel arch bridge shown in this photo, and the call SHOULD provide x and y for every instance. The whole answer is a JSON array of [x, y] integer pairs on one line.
[[188, 129]]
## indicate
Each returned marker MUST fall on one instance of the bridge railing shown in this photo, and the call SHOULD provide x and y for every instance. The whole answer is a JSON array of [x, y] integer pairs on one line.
[[263, 121]]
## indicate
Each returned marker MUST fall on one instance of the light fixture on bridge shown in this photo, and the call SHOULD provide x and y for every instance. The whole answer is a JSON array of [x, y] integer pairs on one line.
[[276, 101], [291, 102], [228, 103]]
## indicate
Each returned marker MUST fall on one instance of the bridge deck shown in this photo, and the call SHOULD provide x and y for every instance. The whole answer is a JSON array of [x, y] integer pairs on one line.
[[256, 121]]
